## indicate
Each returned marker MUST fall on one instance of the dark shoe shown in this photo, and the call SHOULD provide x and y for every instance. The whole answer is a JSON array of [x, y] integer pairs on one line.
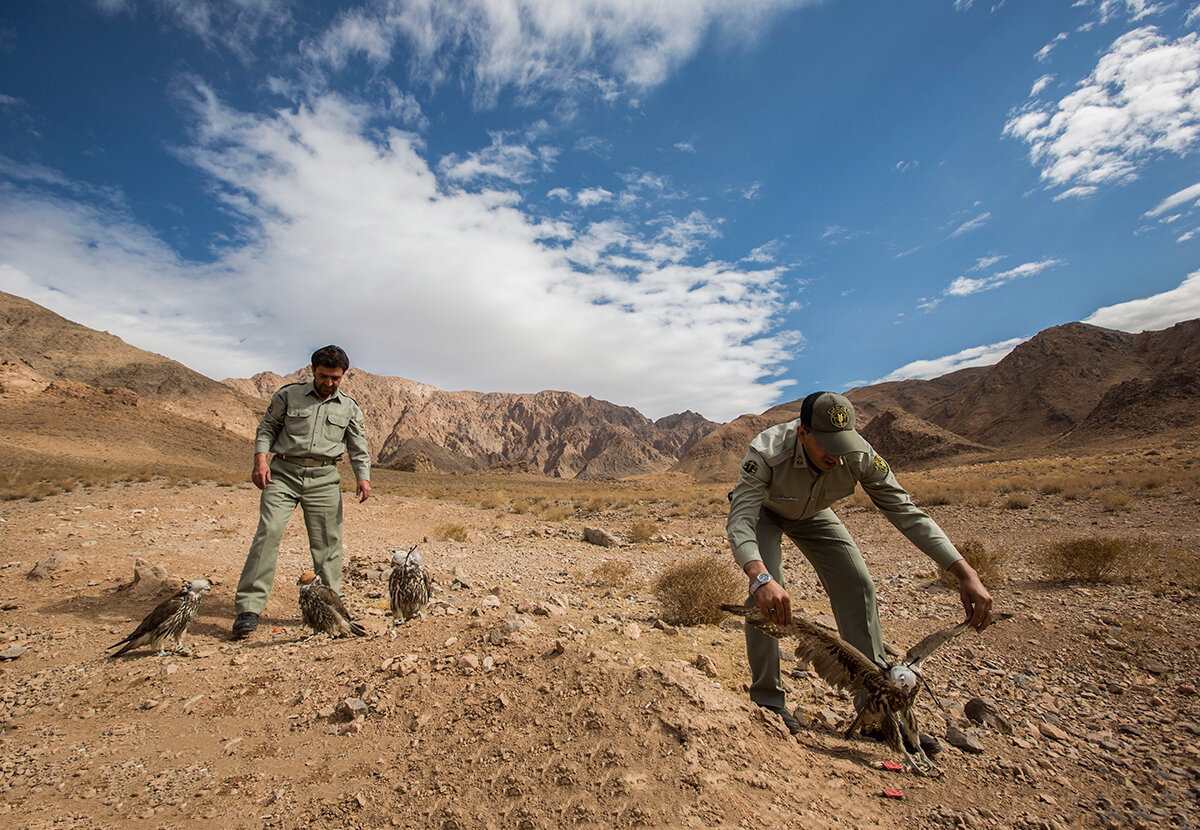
[[245, 625], [789, 720], [929, 744]]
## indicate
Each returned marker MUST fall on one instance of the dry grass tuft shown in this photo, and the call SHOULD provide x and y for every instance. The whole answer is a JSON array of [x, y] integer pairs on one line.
[[1113, 500], [450, 533], [1018, 501], [989, 564], [691, 591], [1088, 559], [611, 573], [642, 531]]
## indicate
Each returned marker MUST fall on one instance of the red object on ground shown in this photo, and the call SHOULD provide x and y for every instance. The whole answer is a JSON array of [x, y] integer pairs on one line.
[[893, 794], [892, 766]]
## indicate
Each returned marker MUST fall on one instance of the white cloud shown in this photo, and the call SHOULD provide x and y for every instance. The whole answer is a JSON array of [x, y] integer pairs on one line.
[[1152, 313], [237, 25], [1043, 54], [1131, 9], [1188, 194], [972, 224], [604, 48], [1040, 84], [592, 196], [358, 241], [963, 5], [963, 286], [501, 161], [967, 358], [1140, 101]]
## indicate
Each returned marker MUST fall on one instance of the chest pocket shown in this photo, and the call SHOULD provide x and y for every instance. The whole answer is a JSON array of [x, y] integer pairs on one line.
[[298, 422], [335, 427]]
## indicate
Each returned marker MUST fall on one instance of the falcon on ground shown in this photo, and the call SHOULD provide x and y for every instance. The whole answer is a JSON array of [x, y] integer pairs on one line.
[[323, 610], [884, 695], [169, 620], [408, 585]]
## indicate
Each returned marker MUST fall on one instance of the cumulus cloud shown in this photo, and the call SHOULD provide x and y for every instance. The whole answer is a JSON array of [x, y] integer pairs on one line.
[[967, 358], [1139, 102], [352, 236], [1152, 313]]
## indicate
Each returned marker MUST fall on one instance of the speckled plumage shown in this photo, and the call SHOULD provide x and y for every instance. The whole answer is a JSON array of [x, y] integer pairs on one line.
[[323, 610], [886, 695], [169, 620], [408, 585]]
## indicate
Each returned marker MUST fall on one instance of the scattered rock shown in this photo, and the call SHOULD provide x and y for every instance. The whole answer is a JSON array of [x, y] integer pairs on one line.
[[1049, 730], [983, 710], [13, 652], [148, 579], [964, 739], [50, 563], [353, 707], [596, 536], [706, 665], [633, 631]]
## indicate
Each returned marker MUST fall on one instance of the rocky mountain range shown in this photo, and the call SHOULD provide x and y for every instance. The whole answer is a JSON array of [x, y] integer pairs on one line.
[[107, 402], [1068, 386]]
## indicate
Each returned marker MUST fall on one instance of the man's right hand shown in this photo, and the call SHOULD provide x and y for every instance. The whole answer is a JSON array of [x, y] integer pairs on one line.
[[261, 475], [772, 599]]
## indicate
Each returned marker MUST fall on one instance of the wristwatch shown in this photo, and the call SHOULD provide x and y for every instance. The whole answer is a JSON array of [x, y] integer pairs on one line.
[[759, 581]]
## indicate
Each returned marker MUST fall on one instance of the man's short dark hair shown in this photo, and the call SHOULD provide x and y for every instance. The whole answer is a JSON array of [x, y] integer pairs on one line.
[[331, 357]]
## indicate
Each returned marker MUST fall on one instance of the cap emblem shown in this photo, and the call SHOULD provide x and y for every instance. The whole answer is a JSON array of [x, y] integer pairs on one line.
[[839, 416]]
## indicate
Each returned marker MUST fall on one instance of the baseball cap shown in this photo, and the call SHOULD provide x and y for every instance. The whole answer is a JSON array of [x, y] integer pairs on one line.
[[830, 416]]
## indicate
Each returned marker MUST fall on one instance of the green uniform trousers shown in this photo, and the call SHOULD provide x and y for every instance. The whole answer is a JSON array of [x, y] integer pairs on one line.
[[826, 543], [318, 492]]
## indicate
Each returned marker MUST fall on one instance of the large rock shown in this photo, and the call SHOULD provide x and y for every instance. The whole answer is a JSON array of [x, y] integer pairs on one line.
[[148, 579]]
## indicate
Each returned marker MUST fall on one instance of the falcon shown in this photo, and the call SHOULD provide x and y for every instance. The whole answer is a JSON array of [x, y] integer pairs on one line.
[[323, 610], [883, 695], [408, 585], [169, 620]]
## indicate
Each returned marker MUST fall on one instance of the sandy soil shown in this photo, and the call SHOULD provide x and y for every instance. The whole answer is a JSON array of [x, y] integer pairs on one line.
[[529, 698]]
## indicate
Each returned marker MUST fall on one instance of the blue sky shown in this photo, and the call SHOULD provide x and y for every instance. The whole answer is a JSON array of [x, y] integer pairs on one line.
[[714, 205]]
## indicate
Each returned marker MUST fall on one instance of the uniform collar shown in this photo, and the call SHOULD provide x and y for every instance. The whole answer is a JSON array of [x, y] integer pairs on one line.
[[312, 390]]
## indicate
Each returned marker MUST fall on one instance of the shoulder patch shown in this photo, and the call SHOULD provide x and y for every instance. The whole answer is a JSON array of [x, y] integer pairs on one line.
[[880, 464], [750, 467]]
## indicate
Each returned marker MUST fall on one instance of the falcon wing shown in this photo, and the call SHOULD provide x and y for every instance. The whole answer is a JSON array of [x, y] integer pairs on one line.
[[149, 626], [330, 597], [917, 654], [835, 660]]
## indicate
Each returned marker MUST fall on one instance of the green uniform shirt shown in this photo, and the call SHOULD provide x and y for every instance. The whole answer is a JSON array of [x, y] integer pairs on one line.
[[299, 423], [776, 474]]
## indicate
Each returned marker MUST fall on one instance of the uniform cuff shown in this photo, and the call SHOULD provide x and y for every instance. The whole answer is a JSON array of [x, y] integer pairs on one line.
[[745, 553]]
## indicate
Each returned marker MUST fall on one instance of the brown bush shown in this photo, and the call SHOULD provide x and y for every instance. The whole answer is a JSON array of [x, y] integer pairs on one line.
[[611, 573], [1089, 559], [450, 533], [989, 564], [691, 591], [642, 531], [1018, 501], [1112, 500]]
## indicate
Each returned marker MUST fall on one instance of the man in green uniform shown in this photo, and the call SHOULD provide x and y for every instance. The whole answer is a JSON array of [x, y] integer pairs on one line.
[[790, 476], [308, 426]]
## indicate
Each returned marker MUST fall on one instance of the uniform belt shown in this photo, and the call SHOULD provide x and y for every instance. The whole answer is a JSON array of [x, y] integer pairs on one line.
[[306, 462]]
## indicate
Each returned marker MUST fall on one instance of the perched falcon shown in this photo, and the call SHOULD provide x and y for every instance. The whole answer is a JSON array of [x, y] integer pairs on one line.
[[408, 585], [886, 695], [169, 620], [323, 610]]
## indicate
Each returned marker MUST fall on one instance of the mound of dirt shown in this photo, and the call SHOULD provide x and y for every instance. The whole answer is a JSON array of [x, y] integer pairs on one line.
[[907, 442]]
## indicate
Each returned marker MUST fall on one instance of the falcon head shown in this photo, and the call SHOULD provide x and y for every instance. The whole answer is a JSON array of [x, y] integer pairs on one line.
[[401, 558], [199, 586], [903, 676], [308, 578]]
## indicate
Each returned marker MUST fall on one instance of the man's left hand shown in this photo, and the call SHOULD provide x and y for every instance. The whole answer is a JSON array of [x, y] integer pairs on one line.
[[976, 601], [364, 490]]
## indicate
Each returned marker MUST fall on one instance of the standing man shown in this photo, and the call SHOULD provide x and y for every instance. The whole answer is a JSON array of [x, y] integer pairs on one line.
[[790, 476], [308, 426]]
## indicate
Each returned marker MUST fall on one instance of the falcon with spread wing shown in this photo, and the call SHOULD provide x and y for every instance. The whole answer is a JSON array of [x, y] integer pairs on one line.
[[408, 585], [323, 610], [884, 695], [169, 620]]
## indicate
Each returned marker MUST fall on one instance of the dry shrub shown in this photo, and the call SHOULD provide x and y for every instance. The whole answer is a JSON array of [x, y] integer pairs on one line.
[[933, 494], [1018, 501], [554, 513], [521, 507], [642, 531], [450, 533], [989, 564], [1051, 486], [1089, 559], [1113, 500], [491, 501], [691, 591], [611, 573]]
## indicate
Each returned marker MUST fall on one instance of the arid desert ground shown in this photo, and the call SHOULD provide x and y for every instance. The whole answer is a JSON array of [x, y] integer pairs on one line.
[[543, 688]]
